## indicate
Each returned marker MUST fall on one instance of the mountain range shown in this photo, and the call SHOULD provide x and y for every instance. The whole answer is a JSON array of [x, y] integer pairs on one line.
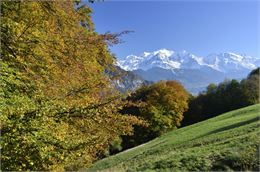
[[194, 72]]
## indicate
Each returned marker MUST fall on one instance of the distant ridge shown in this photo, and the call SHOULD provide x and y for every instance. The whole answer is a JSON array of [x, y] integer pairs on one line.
[[168, 59], [194, 72]]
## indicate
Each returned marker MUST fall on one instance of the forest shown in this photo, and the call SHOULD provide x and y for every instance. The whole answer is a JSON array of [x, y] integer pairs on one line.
[[59, 108]]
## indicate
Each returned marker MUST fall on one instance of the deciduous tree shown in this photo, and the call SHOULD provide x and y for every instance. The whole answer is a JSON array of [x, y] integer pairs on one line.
[[161, 105], [57, 112]]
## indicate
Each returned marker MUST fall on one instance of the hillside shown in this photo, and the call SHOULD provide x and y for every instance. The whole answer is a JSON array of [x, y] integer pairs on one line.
[[227, 142]]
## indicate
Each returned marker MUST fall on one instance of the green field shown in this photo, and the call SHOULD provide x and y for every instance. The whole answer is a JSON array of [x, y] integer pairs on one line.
[[227, 142]]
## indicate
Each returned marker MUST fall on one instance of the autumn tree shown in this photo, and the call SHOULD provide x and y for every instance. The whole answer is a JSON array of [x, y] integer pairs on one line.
[[161, 105], [58, 108]]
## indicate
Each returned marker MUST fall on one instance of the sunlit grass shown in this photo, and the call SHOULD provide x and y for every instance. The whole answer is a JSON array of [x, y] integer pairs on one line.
[[227, 142]]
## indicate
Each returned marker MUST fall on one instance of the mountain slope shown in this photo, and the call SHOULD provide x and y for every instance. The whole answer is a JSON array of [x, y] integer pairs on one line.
[[193, 80], [226, 142], [194, 72], [125, 81]]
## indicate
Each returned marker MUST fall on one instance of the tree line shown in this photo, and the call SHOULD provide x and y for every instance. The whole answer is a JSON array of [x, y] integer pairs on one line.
[[224, 97]]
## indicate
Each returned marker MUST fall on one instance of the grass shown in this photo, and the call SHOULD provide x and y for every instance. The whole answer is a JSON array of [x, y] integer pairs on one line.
[[227, 142]]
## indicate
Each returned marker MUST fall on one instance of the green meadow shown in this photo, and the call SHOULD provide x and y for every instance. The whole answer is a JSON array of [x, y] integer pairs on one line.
[[227, 142]]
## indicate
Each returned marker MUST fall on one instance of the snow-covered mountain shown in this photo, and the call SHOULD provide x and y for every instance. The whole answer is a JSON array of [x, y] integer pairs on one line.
[[167, 59], [195, 72]]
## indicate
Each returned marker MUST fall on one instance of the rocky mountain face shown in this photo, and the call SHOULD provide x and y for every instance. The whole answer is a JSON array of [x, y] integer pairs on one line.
[[194, 72], [126, 81]]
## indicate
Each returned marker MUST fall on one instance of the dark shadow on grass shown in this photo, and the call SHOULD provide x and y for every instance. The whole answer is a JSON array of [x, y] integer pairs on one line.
[[222, 129], [229, 127]]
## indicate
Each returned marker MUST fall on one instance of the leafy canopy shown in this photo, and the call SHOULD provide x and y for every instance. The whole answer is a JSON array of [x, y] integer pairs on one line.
[[56, 103]]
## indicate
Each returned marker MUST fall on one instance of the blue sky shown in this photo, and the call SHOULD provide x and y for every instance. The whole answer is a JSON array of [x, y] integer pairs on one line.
[[200, 27]]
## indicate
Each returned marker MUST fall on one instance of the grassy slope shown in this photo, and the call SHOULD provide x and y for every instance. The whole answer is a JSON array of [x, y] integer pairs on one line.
[[226, 142]]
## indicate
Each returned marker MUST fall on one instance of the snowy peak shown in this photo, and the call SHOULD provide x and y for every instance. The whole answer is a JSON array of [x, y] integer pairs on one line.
[[227, 62], [163, 53], [168, 59], [147, 60]]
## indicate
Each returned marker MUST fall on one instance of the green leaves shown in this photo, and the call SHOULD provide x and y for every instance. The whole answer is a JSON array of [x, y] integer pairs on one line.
[[52, 65]]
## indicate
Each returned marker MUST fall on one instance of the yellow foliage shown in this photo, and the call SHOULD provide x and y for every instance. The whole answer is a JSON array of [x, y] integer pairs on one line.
[[58, 112]]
